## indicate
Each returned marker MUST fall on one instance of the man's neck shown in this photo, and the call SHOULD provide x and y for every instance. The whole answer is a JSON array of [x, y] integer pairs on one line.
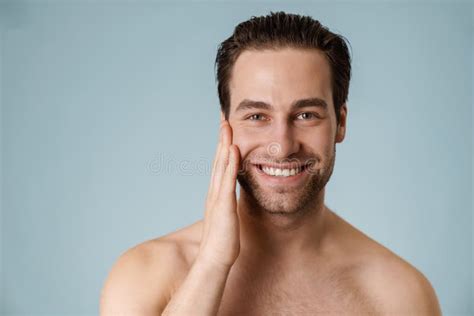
[[282, 236]]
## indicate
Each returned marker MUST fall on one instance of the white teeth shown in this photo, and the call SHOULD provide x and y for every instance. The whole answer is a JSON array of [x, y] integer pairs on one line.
[[281, 172]]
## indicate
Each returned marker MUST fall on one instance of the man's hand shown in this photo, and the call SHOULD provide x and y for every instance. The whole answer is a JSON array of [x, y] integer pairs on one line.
[[220, 242], [201, 291]]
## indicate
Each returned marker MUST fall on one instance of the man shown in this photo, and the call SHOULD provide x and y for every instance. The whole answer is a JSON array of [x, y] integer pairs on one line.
[[283, 82]]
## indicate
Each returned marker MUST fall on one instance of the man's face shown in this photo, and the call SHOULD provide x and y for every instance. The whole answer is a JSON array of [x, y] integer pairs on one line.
[[282, 116]]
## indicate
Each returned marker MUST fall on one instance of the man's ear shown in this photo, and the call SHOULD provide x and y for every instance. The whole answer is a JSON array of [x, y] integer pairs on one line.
[[341, 127], [222, 116]]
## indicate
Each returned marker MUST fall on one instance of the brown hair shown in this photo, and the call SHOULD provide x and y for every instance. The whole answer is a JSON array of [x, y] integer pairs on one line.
[[279, 30]]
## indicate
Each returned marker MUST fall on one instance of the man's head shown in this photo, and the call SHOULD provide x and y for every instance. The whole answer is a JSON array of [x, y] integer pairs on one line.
[[279, 30], [283, 82]]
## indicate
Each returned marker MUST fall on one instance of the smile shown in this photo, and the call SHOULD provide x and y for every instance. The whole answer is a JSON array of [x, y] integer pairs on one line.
[[281, 172]]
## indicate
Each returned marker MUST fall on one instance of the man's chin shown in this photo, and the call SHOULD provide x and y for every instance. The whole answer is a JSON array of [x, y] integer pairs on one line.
[[273, 200]]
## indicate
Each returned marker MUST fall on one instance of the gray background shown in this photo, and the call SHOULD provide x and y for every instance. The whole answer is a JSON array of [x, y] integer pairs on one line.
[[109, 118]]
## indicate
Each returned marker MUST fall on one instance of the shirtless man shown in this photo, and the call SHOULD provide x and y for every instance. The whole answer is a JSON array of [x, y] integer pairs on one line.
[[278, 249]]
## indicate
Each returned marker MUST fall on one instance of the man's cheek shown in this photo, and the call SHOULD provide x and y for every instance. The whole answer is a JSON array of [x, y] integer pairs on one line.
[[245, 141], [248, 145]]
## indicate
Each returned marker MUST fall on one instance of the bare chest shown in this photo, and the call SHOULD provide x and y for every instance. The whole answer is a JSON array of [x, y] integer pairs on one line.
[[298, 294]]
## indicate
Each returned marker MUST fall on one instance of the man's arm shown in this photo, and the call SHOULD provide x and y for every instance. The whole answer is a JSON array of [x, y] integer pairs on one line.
[[140, 282], [138, 287], [415, 296], [401, 289], [201, 292]]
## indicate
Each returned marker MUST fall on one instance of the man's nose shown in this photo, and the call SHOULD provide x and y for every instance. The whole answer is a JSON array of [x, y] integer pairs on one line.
[[283, 142]]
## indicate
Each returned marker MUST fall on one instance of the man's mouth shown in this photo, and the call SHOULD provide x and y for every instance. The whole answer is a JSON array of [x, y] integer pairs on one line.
[[288, 170]]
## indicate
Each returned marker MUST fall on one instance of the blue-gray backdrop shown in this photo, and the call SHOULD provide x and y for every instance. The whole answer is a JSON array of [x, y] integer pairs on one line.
[[109, 118]]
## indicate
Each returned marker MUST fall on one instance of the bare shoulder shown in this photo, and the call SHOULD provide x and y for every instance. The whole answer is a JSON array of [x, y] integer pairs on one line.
[[143, 278], [394, 285], [398, 287]]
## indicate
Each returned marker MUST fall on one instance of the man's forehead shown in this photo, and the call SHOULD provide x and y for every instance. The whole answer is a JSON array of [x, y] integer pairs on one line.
[[280, 76]]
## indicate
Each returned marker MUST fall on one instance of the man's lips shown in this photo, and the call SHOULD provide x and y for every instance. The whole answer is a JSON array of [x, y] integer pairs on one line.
[[272, 174], [287, 165]]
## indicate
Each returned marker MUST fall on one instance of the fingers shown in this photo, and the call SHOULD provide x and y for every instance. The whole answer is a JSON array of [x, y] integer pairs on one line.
[[230, 177], [221, 160], [219, 146], [220, 170], [227, 134], [216, 160]]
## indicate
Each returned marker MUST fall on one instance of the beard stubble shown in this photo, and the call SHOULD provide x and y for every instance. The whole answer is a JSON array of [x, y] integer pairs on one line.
[[286, 201]]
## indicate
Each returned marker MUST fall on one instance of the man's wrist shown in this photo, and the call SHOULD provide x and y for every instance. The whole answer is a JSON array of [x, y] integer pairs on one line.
[[210, 263]]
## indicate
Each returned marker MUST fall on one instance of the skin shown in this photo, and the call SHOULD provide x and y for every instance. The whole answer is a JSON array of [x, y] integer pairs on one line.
[[298, 138], [276, 250]]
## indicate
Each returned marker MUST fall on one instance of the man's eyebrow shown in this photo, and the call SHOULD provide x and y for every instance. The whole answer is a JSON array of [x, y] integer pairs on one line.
[[247, 104], [311, 102]]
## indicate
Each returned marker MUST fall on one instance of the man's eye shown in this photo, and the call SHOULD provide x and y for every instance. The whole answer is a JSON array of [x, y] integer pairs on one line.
[[307, 115], [255, 117]]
